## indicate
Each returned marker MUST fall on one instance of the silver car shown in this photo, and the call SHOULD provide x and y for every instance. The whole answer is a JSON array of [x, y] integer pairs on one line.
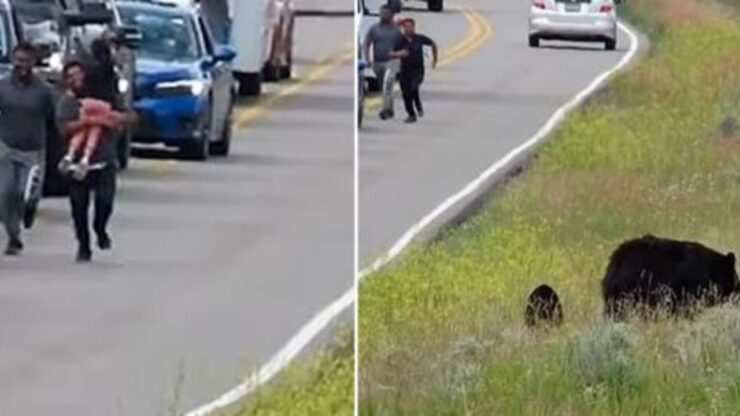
[[578, 20]]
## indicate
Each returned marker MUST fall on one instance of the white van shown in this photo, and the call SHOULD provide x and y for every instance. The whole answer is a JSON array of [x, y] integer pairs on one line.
[[261, 31]]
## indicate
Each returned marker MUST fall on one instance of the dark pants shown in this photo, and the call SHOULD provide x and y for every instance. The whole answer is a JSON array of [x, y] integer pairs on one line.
[[101, 184], [410, 85]]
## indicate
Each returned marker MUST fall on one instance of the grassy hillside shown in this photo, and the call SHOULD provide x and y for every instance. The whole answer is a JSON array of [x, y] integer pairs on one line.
[[658, 152]]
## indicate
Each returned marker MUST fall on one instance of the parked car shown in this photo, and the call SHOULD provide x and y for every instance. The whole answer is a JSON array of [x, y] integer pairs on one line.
[[576, 20], [184, 89]]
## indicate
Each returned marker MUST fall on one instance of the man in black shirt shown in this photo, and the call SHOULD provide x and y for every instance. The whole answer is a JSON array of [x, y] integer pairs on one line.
[[412, 68]]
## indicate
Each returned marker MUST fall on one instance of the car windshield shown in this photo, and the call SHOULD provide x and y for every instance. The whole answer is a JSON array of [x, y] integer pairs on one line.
[[5, 37], [34, 11], [166, 36]]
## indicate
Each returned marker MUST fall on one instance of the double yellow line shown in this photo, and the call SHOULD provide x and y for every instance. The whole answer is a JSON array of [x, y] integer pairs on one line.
[[480, 30], [256, 111]]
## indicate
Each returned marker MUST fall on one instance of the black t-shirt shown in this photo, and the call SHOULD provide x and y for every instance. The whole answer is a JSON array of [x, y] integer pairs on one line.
[[414, 63]]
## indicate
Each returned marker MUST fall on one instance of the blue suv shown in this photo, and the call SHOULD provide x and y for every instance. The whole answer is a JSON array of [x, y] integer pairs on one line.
[[184, 91]]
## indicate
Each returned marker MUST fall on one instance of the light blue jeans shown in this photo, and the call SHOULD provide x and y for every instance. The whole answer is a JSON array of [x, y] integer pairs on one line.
[[21, 183]]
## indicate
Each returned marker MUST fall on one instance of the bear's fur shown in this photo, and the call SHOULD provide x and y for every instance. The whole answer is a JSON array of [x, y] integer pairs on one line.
[[543, 307], [651, 273]]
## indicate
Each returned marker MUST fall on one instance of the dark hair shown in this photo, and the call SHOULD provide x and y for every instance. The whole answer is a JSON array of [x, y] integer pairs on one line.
[[386, 7], [26, 47], [410, 20], [73, 63]]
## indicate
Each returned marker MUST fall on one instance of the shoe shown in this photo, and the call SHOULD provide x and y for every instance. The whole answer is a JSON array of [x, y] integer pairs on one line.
[[84, 256], [80, 170], [420, 113], [14, 248], [104, 241], [391, 113], [65, 165], [410, 120], [383, 115]]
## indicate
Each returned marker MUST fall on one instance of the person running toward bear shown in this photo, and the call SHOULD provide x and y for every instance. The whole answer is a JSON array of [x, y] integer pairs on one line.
[[412, 68]]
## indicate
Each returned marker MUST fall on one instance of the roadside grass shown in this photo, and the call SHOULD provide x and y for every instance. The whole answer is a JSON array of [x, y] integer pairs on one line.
[[322, 386], [657, 152]]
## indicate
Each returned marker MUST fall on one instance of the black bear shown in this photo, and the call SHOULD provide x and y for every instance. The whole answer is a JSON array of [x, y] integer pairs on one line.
[[543, 307], [652, 273]]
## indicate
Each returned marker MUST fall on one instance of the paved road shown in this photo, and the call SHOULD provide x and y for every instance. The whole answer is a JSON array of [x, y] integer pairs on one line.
[[478, 109], [216, 265]]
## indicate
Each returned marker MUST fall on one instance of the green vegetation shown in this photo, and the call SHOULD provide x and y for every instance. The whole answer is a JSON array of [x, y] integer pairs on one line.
[[658, 152], [323, 386]]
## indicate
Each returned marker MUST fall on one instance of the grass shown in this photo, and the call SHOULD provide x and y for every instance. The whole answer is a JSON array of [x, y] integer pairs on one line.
[[324, 385], [657, 152]]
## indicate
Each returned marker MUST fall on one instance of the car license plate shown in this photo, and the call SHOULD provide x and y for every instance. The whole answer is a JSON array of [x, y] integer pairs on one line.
[[573, 7]]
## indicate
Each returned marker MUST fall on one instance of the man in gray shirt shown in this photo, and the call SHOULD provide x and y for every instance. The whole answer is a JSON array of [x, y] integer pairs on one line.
[[385, 38], [26, 116]]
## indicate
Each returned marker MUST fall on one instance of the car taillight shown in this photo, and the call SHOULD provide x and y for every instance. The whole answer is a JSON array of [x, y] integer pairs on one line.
[[540, 4], [606, 8]]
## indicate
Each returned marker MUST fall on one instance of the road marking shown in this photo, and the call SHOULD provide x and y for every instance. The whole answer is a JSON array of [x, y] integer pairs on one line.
[[555, 120], [479, 32], [260, 108]]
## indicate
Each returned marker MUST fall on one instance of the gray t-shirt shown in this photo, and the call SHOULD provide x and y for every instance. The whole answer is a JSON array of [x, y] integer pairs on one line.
[[68, 110], [26, 113], [385, 39]]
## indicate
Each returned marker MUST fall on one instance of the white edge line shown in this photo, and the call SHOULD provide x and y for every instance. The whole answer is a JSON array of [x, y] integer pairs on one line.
[[317, 324]]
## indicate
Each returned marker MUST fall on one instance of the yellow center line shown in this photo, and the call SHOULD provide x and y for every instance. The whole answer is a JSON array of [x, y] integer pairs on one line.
[[480, 30], [249, 115]]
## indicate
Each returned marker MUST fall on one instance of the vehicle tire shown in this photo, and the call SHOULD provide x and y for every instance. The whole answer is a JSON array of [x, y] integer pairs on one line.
[[271, 72], [610, 44], [250, 84], [199, 150], [435, 5], [395, 5], [124, 149], [223, 146], [286, 71], [534, 41]]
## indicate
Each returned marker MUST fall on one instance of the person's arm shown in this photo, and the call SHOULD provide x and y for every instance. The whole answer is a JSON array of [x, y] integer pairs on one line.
[[68, 118], [366, 45], [435, 50]]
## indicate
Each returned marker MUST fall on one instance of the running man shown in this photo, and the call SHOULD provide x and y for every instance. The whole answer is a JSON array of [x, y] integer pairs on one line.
[[384, 37], [412, 68], [26, 119]]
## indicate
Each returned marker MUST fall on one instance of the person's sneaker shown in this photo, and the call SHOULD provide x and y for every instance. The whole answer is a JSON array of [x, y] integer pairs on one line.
[[84, 256], [420, 113], [80, 170], [391, 113], [410, 120], [383, 115], [65, 165], [104, 241], [14, 248]]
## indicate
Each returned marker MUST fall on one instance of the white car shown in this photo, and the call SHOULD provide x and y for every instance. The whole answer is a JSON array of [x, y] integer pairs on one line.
[[577, 20]]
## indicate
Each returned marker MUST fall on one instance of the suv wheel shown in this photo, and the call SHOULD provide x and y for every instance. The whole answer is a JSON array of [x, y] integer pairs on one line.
[[199, 149], [610, 44], [435, 5], [223, 146], [250, 84], [534, 41]]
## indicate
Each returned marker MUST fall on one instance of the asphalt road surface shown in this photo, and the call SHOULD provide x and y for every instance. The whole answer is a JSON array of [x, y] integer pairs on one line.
[[215, 265], [478, 108]]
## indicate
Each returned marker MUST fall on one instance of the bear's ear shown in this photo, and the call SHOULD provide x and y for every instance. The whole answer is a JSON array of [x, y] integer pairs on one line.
[[731, 258]]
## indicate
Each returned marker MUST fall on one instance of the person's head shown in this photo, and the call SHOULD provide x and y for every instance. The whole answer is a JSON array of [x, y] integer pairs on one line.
[[101, 50], [409, 27], [386, 14], [24, 59], [74, 76]]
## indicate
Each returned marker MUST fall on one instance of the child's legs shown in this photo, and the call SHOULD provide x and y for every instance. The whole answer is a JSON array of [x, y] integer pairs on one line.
[[76, 143], [94, 133]]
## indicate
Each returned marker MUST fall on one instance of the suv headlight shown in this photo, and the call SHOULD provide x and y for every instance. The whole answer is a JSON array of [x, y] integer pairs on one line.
[[193, 87]]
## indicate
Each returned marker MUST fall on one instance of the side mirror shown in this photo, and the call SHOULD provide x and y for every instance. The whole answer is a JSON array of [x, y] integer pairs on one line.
[[130, 36], [224, 53]]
